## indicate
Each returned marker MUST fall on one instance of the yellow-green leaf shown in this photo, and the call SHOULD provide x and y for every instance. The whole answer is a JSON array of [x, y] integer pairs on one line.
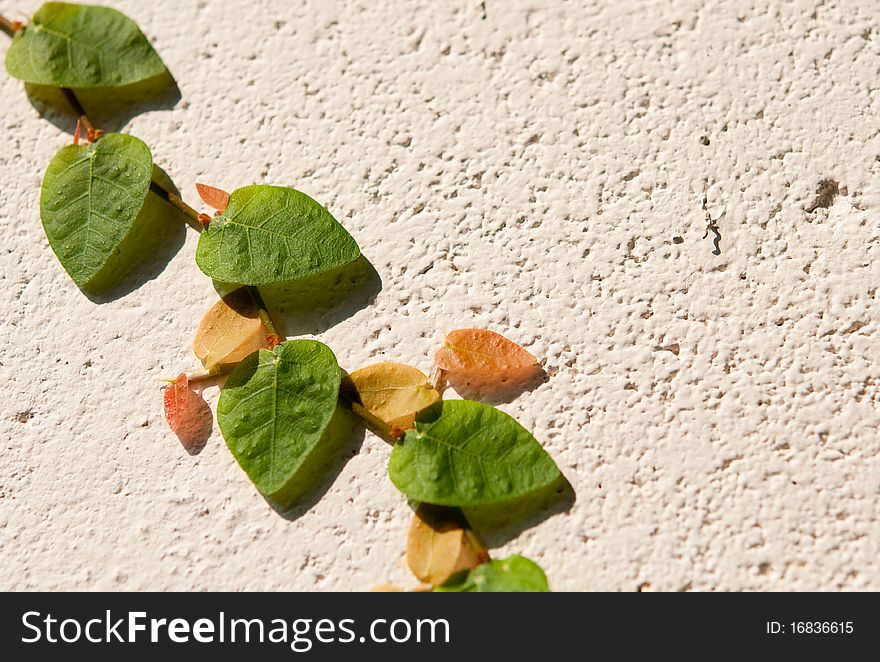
[[440, 544], [274, 411], [392, 392], [229, 331]]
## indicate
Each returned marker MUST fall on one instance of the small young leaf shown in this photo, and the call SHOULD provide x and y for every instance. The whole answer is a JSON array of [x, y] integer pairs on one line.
[[392, 392], [187, 413], [483, 354], [90, 199], [465, 453], [274, 409], [271, 234], [515, 574], [229, 331], [440, 545], [213, 197], [81, 46]]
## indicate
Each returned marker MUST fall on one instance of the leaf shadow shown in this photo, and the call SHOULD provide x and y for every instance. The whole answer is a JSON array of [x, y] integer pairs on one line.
[[342, 441], [110, 108], [153, 240], [197, 443], [498, 524], [494, 390], [314, 305]]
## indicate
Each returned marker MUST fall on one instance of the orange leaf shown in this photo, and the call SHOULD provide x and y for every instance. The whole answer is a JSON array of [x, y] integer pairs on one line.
[[213, 197], [440, 544], [393, 393], [230, 330], [479, 362], [483, 353], [188, 415]]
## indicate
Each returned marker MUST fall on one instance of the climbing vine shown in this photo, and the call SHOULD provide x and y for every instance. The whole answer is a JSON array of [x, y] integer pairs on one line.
[[284, 403]]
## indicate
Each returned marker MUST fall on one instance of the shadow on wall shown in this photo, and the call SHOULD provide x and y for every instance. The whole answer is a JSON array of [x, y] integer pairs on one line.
[[109, 108], [342, 441], [498, 524], [154, 239], [314, 305], [492, 390]]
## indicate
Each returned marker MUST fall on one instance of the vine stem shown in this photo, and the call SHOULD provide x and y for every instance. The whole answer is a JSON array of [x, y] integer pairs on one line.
[[7, 26], [192, 216], [194, 219]]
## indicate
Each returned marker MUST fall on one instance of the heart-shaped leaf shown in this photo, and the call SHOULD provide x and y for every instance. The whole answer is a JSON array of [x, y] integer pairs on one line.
[[440, 544], [271, 234], [515, 574], [274, 409], [465, 453], [81, 46], [230, 330], [90, 199], [393, 393]]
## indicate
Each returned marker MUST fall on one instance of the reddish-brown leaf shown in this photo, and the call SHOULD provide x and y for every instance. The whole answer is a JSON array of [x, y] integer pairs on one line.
[[485, 361], [213, 197], [188, 415]]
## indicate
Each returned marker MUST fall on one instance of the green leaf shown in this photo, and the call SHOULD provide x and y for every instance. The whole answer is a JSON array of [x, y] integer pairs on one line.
[[81, 46], [90, 199], [515, 574], [274, 410], [465, 453], [271, 234]]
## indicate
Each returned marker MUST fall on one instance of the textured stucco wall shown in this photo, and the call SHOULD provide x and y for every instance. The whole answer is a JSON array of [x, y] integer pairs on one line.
[[538, 168]]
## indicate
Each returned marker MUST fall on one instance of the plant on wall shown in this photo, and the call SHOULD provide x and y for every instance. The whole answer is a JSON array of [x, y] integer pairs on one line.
[[284, 402]]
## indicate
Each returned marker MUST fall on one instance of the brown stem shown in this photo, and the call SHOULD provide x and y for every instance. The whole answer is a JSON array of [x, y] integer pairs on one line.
[[168, 196], [74, 102], [273, 334], [7, 26], [192, 216]]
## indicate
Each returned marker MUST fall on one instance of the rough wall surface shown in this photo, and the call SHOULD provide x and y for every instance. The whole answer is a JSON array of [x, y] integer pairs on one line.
[[627, 189]]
